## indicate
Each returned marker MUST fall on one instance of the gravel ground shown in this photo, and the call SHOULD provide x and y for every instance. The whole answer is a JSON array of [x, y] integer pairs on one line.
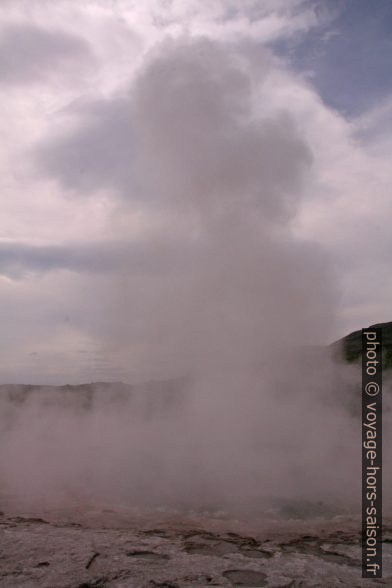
[[117, 548]]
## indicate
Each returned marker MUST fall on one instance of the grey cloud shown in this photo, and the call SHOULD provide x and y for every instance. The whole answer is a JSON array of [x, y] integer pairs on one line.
[[186, 136], [98, 154], [29, 53], [19, 259]]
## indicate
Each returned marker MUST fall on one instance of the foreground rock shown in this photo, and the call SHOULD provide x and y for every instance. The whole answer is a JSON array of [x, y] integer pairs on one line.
[[102, 548]]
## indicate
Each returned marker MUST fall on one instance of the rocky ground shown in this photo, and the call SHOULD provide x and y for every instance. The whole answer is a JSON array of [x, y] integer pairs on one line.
[[117, 548]]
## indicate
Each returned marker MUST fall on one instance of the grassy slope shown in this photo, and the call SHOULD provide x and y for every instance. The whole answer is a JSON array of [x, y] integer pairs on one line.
[[351, 345]]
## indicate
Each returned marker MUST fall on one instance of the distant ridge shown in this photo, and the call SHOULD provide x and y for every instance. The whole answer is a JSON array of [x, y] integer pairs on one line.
[[150, 396]]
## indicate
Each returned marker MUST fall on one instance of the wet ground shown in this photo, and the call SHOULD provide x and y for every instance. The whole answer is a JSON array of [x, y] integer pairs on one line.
[[118, 548]]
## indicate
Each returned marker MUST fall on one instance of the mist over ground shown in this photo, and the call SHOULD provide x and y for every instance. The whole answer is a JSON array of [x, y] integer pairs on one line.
[[246, 442]]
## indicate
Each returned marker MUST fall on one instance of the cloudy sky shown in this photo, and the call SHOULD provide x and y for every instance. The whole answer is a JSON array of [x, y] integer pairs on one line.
[[177, 172]]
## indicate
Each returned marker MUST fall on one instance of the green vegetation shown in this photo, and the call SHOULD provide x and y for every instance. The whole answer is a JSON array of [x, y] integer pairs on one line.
[[351, 345]]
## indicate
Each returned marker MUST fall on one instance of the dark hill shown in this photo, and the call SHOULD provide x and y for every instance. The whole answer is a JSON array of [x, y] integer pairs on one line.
[[350, 346]]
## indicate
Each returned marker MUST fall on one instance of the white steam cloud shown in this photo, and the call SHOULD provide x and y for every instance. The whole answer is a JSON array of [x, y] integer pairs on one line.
[[215, 173]]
